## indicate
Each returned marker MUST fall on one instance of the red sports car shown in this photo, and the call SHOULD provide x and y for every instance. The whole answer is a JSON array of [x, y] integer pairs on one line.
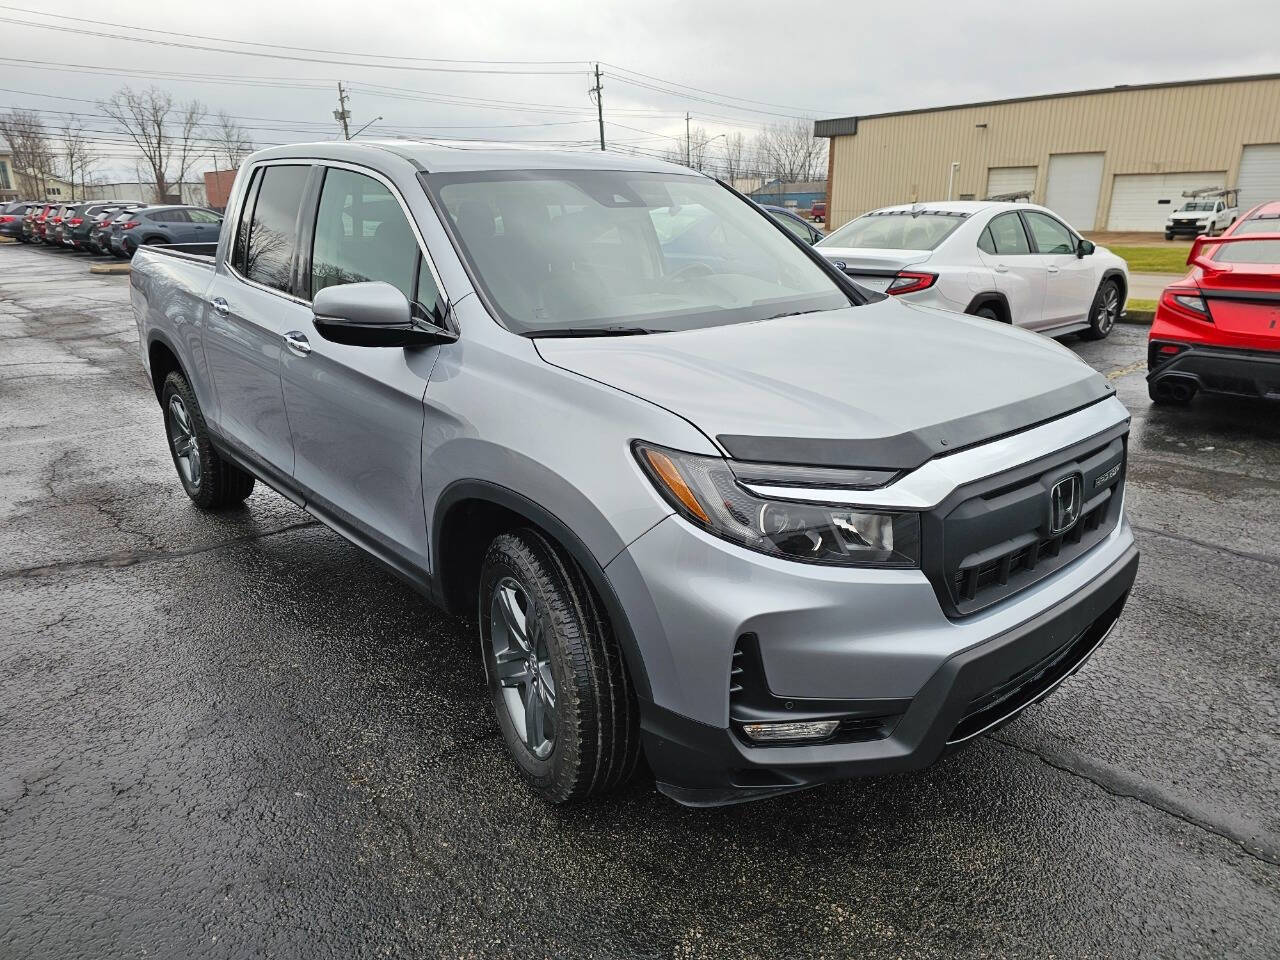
[[1217, 330]]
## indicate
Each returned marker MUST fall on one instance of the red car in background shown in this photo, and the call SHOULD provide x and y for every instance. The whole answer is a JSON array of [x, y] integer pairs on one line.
[[1217, 330], [818, 211]]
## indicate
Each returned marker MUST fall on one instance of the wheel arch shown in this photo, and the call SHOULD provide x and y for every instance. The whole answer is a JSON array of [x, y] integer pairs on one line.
[[470, 513], [994, 299], [1116, 274], [162, 359]]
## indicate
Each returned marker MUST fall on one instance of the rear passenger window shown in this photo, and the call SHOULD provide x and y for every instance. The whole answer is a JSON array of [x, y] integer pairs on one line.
[[362, 235], [273, 232], [1007, 235], [240, 253]]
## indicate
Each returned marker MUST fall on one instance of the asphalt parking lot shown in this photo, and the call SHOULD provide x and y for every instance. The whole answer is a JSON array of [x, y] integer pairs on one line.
[[237, 735]]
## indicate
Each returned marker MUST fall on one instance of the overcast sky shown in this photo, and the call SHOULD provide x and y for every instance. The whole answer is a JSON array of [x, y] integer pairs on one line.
[[755, 63]]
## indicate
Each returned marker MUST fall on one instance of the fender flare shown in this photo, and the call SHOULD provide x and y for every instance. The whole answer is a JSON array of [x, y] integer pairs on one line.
[[1115, 273], [988, 297], [559, 531]]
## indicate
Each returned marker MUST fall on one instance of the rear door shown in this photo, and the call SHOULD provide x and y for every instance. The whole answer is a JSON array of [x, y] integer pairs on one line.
[[356, 413], [1020, 273], [1069, 281], [252, 304]]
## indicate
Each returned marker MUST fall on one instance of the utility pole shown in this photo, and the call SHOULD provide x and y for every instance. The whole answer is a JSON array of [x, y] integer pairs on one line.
[[687, 118], [598, 90], [342, 114]]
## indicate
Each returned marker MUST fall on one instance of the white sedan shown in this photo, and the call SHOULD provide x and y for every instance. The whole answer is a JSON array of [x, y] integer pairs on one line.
[[1010, 262]]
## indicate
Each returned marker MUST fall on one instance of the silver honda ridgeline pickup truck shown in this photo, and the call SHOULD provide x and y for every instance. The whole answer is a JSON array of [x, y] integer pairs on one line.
[[711, 503]]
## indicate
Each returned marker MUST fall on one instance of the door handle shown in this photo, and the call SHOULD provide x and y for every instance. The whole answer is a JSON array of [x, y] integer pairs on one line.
[[1002, 268], [1052, 268], [220, 306], [297, 342]]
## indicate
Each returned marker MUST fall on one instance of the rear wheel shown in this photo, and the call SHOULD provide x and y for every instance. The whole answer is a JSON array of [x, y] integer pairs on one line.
[[987, 313], [210, 481], [1104, 312], [555, 673]]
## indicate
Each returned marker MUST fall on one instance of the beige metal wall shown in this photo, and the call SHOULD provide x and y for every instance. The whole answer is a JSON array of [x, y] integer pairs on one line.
[[906, 158]]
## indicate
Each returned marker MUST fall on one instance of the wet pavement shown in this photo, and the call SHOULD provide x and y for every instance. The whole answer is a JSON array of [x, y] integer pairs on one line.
[[235, 735]]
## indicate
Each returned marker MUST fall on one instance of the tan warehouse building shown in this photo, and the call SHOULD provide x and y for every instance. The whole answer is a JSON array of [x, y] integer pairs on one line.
[[1115, 159]]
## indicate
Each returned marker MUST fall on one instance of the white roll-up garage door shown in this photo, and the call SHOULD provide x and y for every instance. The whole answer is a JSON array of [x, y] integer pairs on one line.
[[1142, 201], [1074, 182], [1010, 180], [1259, 174]]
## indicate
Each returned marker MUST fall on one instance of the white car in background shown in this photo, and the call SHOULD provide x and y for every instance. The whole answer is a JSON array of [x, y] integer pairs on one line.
[[1010, 262]]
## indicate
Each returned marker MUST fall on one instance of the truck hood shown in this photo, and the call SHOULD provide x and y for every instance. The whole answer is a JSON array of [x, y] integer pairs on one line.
[[886, 385]]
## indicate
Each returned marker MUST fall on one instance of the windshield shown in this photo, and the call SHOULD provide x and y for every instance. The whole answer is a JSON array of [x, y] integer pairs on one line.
[[895, 230], [559, 252], [1261, 251], [1195, 205]]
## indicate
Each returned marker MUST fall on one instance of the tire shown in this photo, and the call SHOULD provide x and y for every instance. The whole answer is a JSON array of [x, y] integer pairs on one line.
[[1104, 311], [210, 481], [988, 313], [584, 739], [1168, 235]]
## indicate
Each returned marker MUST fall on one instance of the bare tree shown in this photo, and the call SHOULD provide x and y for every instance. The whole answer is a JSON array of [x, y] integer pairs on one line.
[[735, 157], [31, 150], [76, 155], [231, 144], [789, 152], [163, 131]]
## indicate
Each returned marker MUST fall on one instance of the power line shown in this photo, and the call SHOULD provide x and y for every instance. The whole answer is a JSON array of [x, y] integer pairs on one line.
[[278, 56], [280, 46]]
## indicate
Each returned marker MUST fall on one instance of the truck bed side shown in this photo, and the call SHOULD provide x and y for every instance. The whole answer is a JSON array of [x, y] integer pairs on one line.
[[169, 291]]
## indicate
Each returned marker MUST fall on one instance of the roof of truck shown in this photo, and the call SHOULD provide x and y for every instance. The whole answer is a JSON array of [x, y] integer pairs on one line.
[[443, 156]]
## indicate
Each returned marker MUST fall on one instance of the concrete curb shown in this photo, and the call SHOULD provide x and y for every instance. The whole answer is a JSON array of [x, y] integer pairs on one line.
[[109, 268], [7, 240]]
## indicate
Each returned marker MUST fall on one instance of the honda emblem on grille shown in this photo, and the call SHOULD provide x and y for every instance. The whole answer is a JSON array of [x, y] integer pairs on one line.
[[1064, 504]]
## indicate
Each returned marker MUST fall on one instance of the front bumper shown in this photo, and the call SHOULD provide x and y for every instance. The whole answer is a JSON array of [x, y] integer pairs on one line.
[[968, 693], [1190, 228], [1225, 370]]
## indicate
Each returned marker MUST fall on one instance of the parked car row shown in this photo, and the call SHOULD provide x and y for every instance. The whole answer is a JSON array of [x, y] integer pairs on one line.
[[109, 228]]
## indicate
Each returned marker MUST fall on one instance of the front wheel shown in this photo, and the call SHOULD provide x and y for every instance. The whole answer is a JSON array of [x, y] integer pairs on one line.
[[1104, 312], [555, 673], [210, 481]]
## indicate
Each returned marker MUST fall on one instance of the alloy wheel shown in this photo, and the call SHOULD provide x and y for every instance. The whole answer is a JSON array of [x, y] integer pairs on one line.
[[182, 437], [1108, 308], [522, 664]]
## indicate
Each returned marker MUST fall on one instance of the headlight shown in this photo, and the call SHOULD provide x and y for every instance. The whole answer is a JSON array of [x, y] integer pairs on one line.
[[705, 491]]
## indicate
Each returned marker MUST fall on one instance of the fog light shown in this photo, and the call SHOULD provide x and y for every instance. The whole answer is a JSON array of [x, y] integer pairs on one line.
[[800, 730]]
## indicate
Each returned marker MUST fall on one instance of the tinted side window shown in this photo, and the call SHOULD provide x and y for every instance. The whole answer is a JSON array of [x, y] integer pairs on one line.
[[1007, 234], [240, 252], [203, 216], [1051, 236], [273, 233], [362, 235], [985, 242], [799, 229]]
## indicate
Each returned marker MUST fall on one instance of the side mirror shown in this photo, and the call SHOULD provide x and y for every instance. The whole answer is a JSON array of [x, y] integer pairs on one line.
[[1086, 247], [372, 315]]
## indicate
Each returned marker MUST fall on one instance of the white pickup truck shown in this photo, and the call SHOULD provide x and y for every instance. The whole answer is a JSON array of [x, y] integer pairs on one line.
[[1207, 215]]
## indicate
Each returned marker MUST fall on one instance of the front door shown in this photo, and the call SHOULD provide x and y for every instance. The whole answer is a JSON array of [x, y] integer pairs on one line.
[[356, 413], [251, 306]]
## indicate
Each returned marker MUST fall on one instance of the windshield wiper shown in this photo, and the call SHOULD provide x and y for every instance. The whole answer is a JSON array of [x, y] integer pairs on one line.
[[791, 313], [593, 332]]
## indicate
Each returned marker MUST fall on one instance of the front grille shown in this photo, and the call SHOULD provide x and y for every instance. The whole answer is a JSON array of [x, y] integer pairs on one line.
[[993, 538], [970, 581]]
